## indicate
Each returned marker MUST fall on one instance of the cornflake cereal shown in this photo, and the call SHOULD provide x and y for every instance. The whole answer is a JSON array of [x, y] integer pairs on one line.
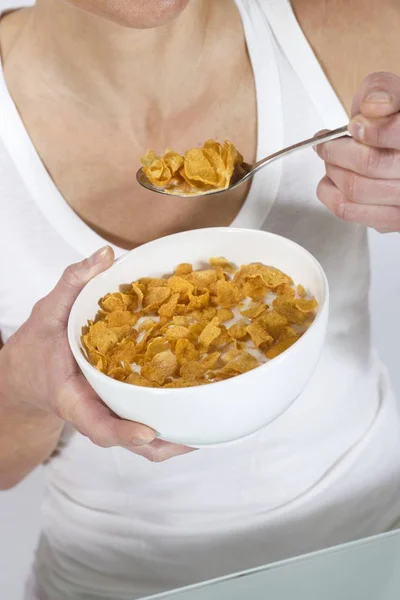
[[199, 170], [197, 326]]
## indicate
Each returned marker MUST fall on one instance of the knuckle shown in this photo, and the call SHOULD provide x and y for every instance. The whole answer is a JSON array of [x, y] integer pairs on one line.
[[339, 207], [379, 135], [39, 308], [71, 275], [321, 189], [149, 453], [100, 439], [388, 162], [339, 210], [370, 160], [41, 316], [379, 162], [81, 430], [101, 443], [102, 434], [372, 135], [351, 185], [157, 457], [378, 78], [67, 408], [325, 151]]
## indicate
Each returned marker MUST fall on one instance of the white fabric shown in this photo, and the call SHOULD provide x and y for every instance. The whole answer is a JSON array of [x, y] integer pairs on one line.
[[117, 527]]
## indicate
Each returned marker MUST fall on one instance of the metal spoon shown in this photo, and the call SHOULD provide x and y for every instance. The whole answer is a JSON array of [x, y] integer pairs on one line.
[[251, 170]]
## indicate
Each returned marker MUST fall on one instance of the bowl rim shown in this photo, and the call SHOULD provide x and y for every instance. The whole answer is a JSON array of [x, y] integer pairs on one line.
[[82, 360]]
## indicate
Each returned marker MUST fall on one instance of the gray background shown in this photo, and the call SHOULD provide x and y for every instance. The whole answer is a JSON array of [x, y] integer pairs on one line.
[[20, 507]]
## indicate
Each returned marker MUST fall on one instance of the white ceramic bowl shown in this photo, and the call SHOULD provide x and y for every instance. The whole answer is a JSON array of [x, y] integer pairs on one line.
[[228, 410]]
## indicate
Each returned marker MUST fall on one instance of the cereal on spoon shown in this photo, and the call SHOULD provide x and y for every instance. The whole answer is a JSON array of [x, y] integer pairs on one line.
[[213, 167]]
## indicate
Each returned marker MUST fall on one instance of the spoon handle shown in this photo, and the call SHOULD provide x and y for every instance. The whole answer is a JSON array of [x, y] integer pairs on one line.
[[318, 139]]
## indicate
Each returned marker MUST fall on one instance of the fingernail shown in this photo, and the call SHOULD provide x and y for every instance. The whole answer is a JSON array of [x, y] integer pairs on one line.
[[98, 256], [142, 438], [379, 96], [357, 129]]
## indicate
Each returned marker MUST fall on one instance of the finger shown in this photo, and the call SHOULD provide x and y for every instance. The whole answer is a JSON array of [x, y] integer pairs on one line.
[[363, 190], [383, 230], [379, 217], [59, 302], [77, 403], [365, 160], [159, 451], [377, 96], [381, 133]]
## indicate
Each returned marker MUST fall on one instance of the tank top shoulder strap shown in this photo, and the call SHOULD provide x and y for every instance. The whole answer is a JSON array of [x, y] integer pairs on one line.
[[294, 45], [261, 46]]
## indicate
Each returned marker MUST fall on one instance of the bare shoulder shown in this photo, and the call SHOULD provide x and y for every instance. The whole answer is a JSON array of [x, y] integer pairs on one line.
[[351, 38]]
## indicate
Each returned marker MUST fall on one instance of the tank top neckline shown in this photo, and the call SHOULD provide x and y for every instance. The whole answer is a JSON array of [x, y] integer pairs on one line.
[[305, 64]]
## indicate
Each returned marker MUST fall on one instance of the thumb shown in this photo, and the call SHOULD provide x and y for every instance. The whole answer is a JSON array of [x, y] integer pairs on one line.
[[73, 280], [377, 96]]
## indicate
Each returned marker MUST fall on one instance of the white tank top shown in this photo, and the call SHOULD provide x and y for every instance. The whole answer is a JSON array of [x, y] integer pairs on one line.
[[328, 470]]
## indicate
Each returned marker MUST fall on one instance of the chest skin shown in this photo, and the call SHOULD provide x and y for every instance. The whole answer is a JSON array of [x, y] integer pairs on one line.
[[92, 158]]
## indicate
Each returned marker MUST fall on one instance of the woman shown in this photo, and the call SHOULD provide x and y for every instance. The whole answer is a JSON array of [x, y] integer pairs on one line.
[[88, 86]]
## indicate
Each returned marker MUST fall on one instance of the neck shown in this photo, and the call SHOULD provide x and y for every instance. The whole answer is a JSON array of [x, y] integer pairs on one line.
[[105, 64]]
